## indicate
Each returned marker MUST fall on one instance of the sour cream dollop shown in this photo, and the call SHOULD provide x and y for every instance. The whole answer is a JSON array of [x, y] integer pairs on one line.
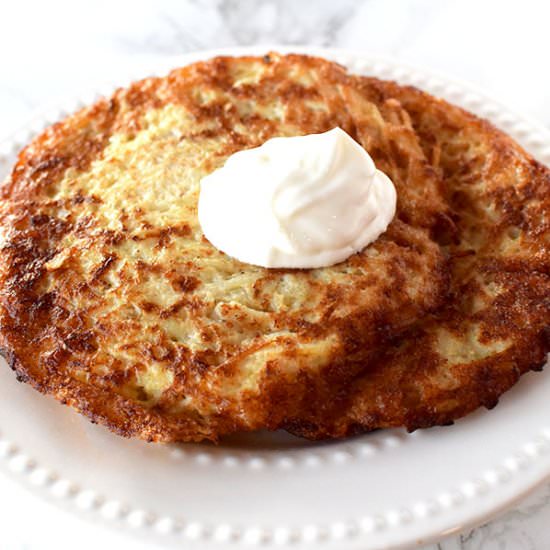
[[296, 202]]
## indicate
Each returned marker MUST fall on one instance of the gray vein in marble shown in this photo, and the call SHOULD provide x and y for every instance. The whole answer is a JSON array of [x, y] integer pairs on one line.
[[286, 21], [507, 532], [451, 543]]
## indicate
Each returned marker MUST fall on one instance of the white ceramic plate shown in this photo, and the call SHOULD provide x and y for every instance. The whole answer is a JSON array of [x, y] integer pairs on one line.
[[386, 490]]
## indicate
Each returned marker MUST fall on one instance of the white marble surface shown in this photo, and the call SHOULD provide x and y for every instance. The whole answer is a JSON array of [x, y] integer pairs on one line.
[[57, 48]]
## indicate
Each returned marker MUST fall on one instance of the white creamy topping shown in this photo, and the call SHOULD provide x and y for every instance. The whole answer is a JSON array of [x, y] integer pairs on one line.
[[297, 202]]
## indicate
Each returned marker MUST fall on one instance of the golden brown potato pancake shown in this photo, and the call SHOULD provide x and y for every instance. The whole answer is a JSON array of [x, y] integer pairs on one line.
[[112, 300]]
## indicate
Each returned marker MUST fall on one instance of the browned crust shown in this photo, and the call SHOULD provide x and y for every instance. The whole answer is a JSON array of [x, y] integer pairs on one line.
[[408, 384], [399, 379]]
